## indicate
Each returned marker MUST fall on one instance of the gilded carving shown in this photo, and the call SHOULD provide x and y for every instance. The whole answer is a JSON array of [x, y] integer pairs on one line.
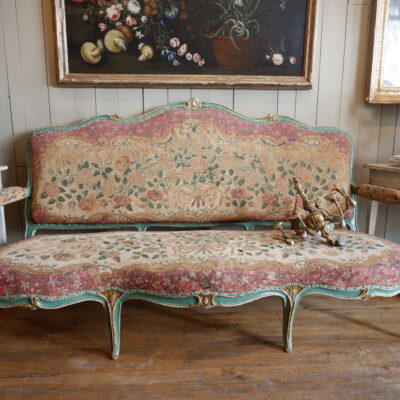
[[34, 303], [194, 104], [293, 291], [271, 118], [111, 296], [205, 300], [113, 117], [365, 295]]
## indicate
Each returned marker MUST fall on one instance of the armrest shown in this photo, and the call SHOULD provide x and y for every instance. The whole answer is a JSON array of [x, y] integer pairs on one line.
[[13, 194], [377, 193]]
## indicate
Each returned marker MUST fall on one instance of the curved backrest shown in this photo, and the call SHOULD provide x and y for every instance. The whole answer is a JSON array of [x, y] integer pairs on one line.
[[178, 164]]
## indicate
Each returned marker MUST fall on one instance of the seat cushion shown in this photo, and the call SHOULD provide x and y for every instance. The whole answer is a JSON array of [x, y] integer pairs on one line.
[[190, 262]]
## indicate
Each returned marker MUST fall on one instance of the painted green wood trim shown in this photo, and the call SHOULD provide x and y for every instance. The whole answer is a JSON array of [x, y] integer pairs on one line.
[[183, 106], [248, 225], [192, 300], [42, 303], [30, 229]]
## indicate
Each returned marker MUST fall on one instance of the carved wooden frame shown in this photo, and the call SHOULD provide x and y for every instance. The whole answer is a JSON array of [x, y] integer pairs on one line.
[[375, 91], [112, 300], [65, 78]]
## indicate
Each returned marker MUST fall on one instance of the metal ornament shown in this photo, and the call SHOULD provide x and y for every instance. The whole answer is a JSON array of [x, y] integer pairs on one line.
[[314, 220], [286, 238]]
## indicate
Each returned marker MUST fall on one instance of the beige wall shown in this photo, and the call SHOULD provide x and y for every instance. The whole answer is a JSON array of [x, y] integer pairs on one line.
[[29, 98]]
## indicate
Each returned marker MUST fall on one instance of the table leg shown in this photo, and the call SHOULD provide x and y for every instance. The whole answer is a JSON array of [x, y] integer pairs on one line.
[[3, 235], [373, 215]]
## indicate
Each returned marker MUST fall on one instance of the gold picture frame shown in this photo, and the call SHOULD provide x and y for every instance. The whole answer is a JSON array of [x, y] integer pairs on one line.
[[67, 76], [383, 72]]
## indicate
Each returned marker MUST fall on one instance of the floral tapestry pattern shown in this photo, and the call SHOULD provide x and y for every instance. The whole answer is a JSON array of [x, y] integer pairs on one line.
[[11, 195], [182, 263], [182, 166]]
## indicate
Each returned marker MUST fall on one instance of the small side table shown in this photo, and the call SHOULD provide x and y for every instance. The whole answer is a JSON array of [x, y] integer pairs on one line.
[[386, 175], [3, 235]]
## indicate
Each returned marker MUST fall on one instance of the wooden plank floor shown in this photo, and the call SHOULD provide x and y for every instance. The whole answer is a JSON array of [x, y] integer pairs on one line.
[[342, 350]]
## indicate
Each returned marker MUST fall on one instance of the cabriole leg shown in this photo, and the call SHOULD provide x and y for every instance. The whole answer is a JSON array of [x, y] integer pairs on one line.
[[29, 231], [113, 305], [291, 301]]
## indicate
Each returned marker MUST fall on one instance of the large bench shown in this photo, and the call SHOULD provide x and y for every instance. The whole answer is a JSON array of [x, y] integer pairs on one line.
[[188, 165]]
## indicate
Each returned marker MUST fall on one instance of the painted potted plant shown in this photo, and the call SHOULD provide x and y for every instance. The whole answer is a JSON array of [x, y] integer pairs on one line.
[[239, 30]]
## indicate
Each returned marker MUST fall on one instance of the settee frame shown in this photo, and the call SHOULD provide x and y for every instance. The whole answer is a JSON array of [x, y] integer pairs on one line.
[[112, 298]]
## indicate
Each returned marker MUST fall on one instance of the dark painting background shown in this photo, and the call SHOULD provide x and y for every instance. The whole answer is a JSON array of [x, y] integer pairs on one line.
[[285, 35]]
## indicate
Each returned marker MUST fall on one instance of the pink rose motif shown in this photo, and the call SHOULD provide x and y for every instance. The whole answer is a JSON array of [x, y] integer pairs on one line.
[[174, 42], [172, 174], [269, 198], [51, 189], [166, 163], [130, 21], [182, 50], [114, 12], [108, 188], [196, 57], [154, 195], [102, 26], [277, 59], [293, 60], [122, 163], [86, 204], [123, 201], [84, 175], [199, 164], [187, 173], [136, 179], [238, 193]]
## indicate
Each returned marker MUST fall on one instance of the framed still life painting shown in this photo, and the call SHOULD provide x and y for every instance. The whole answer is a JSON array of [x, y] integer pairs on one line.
[[185, 43], [383, 73]]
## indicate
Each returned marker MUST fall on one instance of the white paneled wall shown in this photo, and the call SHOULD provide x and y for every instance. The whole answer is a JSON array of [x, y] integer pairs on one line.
[[29, 97]]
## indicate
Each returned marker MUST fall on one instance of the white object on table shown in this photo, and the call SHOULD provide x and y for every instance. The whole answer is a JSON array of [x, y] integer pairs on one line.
[[3, 235]]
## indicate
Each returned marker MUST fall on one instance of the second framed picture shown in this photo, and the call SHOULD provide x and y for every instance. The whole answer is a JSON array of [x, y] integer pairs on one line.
[[186, 43]]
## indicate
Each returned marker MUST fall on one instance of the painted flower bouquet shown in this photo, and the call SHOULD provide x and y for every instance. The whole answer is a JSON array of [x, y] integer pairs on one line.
[[149, 27]]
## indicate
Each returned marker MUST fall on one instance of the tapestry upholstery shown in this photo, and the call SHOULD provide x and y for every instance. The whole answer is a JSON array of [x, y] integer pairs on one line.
[[183, 263], [180, 165], [11, 194]]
